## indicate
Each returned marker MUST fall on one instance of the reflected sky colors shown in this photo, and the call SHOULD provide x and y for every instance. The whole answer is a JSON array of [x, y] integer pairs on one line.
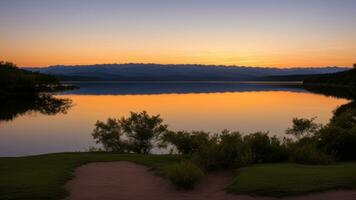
[[247, 112], [281, 33]]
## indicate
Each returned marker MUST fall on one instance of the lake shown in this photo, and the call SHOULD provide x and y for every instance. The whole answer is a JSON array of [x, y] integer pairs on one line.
[[26, 128]]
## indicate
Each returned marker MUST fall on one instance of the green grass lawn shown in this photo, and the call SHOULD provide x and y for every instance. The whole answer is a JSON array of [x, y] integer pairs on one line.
[[44, 176], [292, 179]]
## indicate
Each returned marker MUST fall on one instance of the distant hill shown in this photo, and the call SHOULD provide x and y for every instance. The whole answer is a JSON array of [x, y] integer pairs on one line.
[[157, 72], [298, 77], [339, 79]]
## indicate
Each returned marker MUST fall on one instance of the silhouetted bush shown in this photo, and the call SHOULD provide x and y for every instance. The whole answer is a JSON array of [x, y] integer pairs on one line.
[[186, 142], [184, 174], [344, 117], [266, 149], [313, 143], [140, 130], [339, 142], [228, 149], [110, 134], [303, 128], [212, 151], [305, 151], [208, 155], [234, 152]]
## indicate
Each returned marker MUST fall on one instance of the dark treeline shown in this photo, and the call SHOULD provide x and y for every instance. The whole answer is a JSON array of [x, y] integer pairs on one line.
[[19, 82], [339, 79], [344, 92], [16, 82], [287, 78], [22, 91]]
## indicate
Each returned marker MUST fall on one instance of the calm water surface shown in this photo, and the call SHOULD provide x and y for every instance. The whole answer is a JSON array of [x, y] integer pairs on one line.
[[247, 107]]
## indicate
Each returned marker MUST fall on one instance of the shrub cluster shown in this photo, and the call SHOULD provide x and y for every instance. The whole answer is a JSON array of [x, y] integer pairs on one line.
[[136, 133], [312, 143], [335, 141], [305, 151], [229, 149], [184, 174]]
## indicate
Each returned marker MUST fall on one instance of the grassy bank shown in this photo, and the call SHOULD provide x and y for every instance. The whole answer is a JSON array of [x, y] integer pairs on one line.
[[293, 179], [44, 176]]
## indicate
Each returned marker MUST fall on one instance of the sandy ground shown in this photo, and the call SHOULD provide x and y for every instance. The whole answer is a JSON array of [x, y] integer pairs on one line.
[[129, 181]]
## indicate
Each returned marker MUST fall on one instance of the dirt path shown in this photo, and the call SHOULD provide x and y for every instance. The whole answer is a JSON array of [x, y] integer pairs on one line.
[[128, 181]]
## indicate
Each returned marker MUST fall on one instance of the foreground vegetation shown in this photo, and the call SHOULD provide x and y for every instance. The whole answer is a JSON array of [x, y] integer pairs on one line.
[[183, 174], [44, 176], [293, 179], [310, 143], [320, 148]]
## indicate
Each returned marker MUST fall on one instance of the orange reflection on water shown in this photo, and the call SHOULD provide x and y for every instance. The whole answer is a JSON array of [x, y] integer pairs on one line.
[[248, 112], [243, 111]]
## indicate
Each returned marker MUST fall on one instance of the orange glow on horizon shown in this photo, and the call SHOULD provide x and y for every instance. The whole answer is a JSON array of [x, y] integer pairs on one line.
[[285, 62], [39, 53]]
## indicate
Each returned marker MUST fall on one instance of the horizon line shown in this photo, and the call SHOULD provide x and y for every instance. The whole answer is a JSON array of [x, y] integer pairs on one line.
[[204, 65]]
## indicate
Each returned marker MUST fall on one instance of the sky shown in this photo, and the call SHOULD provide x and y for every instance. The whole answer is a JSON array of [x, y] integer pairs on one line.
[[266, 33]]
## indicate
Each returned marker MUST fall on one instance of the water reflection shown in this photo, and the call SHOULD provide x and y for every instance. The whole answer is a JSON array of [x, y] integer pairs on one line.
[[344, 115], [246, 107], [128, 88], [44, 104], [340, 92]]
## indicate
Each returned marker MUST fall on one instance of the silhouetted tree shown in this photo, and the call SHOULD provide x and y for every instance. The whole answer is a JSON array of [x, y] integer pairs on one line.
[[142, 129], [186, 142], [110, 134], [303, 128]]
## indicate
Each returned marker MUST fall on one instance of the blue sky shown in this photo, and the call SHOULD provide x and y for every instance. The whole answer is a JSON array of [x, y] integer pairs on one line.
[[254, 32]]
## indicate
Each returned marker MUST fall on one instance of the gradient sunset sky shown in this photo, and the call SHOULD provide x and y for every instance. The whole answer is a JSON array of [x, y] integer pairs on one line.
[[271, 33]]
